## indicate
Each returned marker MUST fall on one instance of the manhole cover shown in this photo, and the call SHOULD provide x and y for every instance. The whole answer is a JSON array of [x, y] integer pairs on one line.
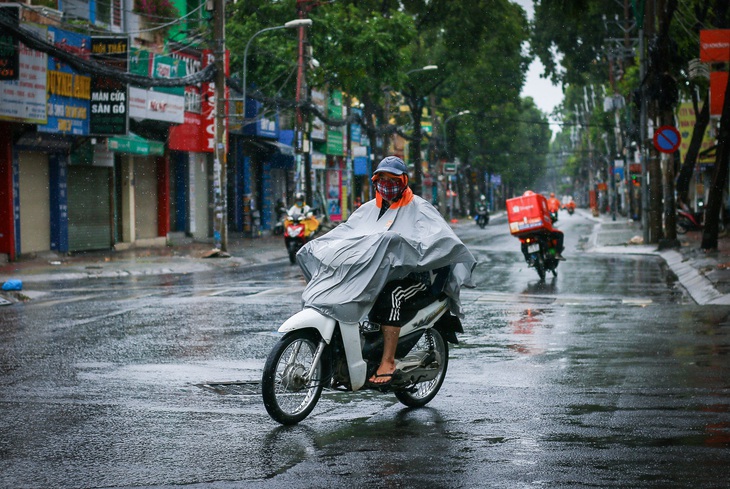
[[233, 388]]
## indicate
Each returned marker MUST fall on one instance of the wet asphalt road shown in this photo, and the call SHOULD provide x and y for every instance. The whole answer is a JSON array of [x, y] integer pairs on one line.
[[606, 376]]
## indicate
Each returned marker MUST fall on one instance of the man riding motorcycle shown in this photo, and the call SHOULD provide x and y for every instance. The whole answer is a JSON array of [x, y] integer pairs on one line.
[[391, 254], [299, 207], [300, 211], [555, 236], [482, 209]]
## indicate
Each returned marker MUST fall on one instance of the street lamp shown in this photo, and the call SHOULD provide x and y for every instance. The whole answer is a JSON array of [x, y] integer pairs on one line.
[[446, 133], [416, 104], [449, 190], [425, 68], [292, 24]]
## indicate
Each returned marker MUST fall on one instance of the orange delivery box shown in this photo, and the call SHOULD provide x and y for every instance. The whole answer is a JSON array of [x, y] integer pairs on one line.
[[528, 214]]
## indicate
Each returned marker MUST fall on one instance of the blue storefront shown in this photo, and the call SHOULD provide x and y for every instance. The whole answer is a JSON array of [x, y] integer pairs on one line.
[[262, 171]]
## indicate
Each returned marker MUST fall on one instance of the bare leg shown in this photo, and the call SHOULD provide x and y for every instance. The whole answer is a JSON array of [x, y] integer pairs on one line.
[[387, 363]]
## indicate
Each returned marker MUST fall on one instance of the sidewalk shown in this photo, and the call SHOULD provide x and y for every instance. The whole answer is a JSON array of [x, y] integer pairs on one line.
[[706, 276], [182, 257]]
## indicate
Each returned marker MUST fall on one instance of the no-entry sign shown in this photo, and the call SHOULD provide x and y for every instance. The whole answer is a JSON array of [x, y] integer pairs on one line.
[[667, 139]]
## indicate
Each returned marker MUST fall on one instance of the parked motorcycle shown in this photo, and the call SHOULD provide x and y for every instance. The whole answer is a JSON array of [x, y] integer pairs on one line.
[[482, 217], [539, 253], [693, 221], [298, 231], [281, 217], [317, 352]]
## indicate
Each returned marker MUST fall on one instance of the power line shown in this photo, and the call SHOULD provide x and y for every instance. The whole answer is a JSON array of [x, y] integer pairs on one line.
[[91, 67]]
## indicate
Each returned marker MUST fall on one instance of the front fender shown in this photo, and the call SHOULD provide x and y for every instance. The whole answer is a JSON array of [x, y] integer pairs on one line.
[[310, 318]]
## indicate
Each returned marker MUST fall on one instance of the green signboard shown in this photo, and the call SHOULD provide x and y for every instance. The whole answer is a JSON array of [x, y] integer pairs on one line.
[[145, 63], [335, 144]]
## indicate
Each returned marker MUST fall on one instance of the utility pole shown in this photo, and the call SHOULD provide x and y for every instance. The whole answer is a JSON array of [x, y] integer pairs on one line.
[[302, 145], [220, 185]]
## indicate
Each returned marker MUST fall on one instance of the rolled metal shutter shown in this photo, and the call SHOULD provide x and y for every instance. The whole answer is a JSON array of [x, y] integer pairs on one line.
[[89, 208]]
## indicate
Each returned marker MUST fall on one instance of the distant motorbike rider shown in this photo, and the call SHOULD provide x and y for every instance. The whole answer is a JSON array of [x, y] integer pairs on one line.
[[299, 207], [553, 203], [482, 205], [482, 212], [556, 235]]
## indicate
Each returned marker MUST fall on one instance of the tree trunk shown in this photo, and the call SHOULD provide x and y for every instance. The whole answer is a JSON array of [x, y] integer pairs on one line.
[[416, 106], [690, 160], [719, 179], [655, 197]]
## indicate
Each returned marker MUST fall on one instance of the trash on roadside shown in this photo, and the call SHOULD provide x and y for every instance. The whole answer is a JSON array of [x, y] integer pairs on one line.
[[54, 262], [637, 240], [216, 253], [13, 284]]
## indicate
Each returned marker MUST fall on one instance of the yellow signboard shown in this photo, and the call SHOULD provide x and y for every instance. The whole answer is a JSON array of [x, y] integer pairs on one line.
[[686, 124]]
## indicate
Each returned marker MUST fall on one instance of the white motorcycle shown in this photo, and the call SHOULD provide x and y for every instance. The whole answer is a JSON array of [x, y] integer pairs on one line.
[[317, 352]]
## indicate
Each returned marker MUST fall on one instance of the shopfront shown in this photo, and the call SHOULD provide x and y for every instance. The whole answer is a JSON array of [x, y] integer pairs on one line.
[[262, 171], [34, 202], [140, 166], [90, 183]]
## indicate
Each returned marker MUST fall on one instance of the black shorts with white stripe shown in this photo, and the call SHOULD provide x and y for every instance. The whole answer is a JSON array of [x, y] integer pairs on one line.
[[399, 301]]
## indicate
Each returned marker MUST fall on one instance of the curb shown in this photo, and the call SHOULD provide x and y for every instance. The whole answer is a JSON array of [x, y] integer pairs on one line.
[[699, 287]]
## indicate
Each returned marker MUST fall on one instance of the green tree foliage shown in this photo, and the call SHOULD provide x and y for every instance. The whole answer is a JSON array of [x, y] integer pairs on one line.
[[364, 46], [569, 38], [272, 56]]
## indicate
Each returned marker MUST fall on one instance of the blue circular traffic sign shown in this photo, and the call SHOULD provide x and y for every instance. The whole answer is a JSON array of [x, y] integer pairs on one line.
[[667, 139]]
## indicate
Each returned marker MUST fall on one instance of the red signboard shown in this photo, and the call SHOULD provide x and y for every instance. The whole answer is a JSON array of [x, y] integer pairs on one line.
[[208, 103], [715, 45], [718, 85], [189, 136]]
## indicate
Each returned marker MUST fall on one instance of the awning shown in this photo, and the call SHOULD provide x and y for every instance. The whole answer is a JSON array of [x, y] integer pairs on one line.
[[282, 148], [50, 143], [135, 145], [276, 153]]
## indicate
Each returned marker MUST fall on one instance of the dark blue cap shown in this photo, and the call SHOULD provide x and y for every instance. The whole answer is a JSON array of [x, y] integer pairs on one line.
[[392, 164]]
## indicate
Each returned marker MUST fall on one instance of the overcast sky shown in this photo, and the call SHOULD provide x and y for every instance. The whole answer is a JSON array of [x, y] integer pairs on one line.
[[545, 94]]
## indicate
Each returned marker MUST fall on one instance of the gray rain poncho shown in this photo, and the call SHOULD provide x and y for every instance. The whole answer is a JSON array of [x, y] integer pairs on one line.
[[347, 268]]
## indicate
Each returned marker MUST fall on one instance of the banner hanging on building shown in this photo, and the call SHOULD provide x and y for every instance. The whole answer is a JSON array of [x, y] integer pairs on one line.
[[24, 99], [69, 93], [715, 45], [335, 140], [9, 55], [686, 124], [109, 97], [208, 101], [718, 85]]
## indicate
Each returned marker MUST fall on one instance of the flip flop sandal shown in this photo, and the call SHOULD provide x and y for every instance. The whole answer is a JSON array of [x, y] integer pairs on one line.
[[392, 376]]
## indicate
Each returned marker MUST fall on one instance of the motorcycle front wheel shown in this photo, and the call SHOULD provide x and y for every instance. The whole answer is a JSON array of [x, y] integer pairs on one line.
[[423, 392], [289, 395]]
